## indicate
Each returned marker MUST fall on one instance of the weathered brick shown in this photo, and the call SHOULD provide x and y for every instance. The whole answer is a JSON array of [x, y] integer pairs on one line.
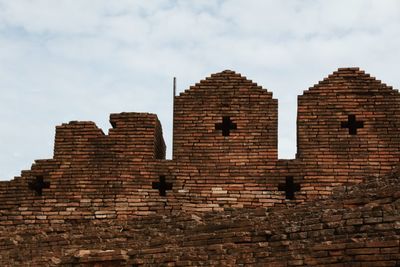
[[103, 192]]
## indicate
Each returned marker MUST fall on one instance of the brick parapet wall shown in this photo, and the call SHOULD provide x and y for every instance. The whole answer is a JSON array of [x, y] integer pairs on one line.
[[221, 200], [91, 176], [98, 176]]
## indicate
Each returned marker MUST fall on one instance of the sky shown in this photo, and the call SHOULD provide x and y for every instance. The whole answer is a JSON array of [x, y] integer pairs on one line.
[[81, 60]]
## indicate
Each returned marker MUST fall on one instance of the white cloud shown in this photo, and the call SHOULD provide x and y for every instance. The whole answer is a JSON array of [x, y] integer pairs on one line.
[[80, 60]]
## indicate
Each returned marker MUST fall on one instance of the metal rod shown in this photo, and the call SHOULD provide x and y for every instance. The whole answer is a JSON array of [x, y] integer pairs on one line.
[[174, 86]]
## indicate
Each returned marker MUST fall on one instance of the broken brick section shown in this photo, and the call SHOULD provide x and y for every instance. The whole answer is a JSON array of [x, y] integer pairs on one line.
[[224, 154]]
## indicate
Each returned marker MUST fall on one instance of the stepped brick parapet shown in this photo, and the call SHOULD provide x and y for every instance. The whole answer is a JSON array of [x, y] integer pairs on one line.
[[224, 198]]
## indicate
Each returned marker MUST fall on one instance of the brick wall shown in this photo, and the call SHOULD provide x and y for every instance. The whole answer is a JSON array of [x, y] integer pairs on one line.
[[331, 152], [358, 226], [225, 143], [91, 176], [251, 132], [225, 155]]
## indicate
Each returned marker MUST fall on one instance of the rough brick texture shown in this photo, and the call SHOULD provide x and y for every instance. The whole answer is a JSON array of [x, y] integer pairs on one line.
[[357, 226], [224, 198], [328, 153], [218, 171]]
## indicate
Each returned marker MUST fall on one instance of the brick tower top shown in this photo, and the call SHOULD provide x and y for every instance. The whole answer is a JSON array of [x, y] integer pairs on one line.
[[347, 127], [226, 119]]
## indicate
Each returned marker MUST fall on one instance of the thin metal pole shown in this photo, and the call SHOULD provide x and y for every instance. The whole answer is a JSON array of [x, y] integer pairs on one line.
[[174, 88]]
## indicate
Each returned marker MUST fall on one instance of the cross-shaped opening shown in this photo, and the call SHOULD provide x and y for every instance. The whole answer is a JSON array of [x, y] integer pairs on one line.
[[38, 185], [162, 186], [289, 187], [226, 126], [352, 124]]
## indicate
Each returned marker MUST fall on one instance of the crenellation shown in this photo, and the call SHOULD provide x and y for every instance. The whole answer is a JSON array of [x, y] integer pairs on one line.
[[224, 192]]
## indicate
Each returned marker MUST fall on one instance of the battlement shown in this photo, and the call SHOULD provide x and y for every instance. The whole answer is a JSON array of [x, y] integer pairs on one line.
[[225, 153], [225, 198]]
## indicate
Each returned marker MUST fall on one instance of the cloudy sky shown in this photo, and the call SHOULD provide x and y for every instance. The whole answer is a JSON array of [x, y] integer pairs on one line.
[[83, 59]]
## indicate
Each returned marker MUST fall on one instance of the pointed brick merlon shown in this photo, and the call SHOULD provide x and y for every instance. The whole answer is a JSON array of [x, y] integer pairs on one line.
[[133, 135], [226, 118]]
